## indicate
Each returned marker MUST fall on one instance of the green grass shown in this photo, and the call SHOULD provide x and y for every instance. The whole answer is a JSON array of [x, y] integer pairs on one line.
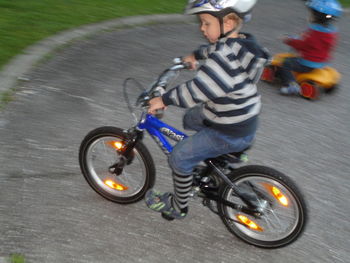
[[345, 3], [6, 97], [17, 259], [24, 22]]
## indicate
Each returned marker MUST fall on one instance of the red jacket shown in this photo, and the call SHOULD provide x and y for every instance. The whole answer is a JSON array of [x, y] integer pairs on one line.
[[315, 44]]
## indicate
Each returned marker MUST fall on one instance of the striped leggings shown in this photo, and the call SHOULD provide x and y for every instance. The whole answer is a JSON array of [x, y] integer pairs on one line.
[[182, 188]]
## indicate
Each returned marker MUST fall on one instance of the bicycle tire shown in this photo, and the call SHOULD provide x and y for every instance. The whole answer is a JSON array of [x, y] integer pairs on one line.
[[265, 237], [136, 177]]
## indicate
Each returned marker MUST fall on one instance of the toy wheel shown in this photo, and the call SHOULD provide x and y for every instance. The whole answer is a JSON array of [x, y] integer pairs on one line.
[[310, 90], [268, 74]]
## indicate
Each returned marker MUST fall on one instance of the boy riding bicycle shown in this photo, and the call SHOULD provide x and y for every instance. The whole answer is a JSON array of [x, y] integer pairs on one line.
[[222, 98]]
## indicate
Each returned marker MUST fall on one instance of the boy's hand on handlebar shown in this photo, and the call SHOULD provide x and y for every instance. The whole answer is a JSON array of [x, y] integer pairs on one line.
[[156, 104], [190, 59]]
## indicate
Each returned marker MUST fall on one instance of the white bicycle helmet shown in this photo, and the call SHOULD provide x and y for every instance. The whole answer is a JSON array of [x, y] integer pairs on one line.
[[220, 8]]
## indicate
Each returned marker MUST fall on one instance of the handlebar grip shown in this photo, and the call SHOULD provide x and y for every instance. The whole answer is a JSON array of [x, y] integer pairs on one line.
[[187, 65], [159, 113], [179, 61], [158, 91]]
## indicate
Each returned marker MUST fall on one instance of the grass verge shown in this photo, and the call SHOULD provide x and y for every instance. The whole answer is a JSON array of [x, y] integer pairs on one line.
[[6, 97], [345, 3], [24, 22]]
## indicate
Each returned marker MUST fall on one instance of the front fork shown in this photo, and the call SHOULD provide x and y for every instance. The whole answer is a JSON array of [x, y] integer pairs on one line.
[[126, 152]]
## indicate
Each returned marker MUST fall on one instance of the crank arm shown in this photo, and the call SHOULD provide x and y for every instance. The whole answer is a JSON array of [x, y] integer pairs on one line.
[[247, 198], [218, 199]]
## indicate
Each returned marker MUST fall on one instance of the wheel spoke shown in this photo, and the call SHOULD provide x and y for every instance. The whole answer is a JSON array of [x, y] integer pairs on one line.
[[109, 156], [98, 153], [104, 157], [282, 209]]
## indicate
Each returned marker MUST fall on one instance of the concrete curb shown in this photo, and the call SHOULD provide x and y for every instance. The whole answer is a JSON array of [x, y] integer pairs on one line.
[[19, 65]]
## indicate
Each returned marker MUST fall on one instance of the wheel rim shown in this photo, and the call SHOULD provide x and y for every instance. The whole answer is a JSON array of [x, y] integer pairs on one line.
[[100, 156], [277, 222]]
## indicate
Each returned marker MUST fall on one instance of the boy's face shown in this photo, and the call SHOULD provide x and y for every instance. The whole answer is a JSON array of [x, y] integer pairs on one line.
[[210, 27]]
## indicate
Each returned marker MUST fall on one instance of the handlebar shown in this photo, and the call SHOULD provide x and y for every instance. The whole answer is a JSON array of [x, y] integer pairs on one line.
[[158, 88], [167, 75]]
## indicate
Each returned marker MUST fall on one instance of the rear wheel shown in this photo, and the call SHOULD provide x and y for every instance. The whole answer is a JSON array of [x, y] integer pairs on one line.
[[268, 74], [99, 151], [283, 210]]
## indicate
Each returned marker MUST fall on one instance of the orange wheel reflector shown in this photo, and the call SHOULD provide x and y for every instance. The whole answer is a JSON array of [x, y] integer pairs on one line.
[[249, 223], [279, 196], [116, 186], [116, 144]]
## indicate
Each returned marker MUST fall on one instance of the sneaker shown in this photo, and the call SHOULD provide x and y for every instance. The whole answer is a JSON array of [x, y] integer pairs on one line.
[[292, 89], [162, 203]]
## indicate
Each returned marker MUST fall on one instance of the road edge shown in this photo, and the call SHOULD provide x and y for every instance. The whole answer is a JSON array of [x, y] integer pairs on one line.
[[23, 63]]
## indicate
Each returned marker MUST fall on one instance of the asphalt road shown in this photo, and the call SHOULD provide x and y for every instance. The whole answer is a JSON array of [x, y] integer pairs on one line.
[[48, 213]]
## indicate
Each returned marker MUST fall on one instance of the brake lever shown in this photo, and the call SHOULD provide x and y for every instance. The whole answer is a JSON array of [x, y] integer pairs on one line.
[[143, 97]]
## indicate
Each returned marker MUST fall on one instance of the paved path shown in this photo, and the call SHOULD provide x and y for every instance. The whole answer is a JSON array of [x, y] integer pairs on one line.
[[49, 213]]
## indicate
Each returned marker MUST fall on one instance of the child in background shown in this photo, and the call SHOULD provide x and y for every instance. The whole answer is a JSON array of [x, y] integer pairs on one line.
[[223, 100], [314, 46]]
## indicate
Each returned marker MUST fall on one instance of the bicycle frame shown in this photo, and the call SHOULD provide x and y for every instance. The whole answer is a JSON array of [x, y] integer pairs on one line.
[[159, 131]]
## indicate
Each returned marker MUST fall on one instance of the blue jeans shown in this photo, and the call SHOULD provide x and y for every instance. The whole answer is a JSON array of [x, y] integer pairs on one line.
[[290, 65], [205, 143]]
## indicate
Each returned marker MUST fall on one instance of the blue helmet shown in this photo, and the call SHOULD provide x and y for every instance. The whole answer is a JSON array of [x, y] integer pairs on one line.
[[328, 7]]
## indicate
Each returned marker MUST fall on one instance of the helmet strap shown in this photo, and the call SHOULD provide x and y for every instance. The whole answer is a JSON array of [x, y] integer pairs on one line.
[[222, 29]]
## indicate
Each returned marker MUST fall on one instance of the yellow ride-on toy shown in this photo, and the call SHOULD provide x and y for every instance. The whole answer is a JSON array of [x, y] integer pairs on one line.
[[312, 84]]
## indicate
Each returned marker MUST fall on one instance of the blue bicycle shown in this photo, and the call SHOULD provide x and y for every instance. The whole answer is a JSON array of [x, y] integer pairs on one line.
[[258, 204]]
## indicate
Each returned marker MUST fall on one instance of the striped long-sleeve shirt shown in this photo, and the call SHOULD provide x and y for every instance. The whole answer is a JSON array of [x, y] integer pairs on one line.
[[225, 85]]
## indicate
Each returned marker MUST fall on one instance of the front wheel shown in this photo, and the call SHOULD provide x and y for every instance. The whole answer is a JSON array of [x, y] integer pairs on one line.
[[310, 90], [99, 151], [283, 210]]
